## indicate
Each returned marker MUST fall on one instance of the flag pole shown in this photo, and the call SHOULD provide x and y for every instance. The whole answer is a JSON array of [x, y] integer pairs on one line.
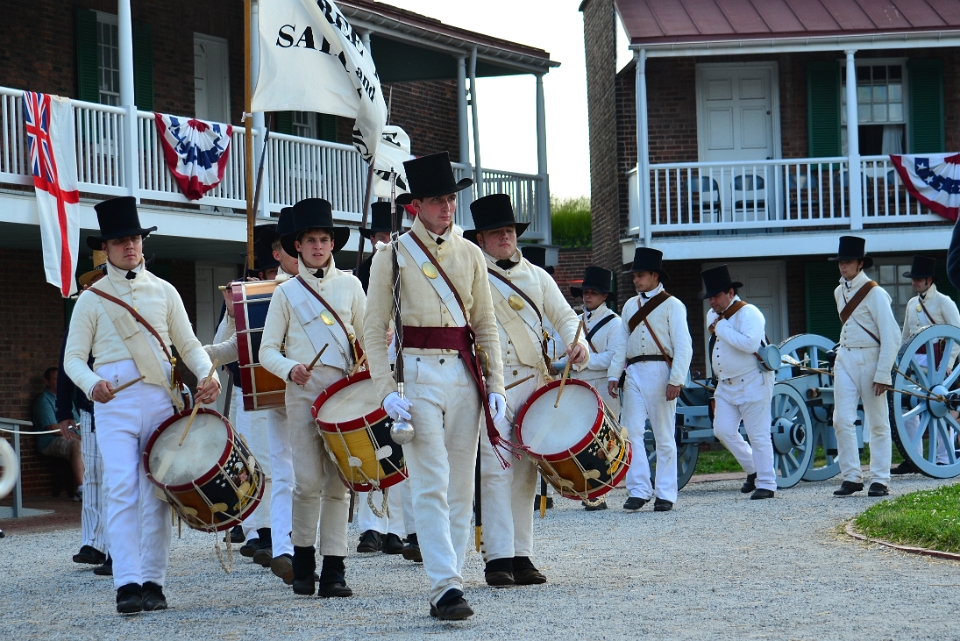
[[248, 127], [369, 190]]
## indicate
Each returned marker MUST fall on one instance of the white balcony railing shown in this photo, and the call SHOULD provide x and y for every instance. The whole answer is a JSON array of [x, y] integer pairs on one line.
[[771, 194], [294, 168]]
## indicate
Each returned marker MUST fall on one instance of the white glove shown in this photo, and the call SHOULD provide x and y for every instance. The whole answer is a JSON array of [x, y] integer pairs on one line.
[[498, 406], [397, 407]]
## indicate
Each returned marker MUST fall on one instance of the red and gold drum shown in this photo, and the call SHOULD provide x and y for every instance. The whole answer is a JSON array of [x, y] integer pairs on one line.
[[261, 389]]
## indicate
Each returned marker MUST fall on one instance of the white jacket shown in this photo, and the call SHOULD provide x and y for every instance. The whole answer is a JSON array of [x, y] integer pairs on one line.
[[942, 309], [602, 346], [737, 340], [874, 314]]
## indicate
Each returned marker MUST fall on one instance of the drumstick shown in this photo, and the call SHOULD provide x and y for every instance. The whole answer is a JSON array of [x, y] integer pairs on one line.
[[126, 385], [317, 358], [566, 370], [196, 406], [515, 383], [363, 359]]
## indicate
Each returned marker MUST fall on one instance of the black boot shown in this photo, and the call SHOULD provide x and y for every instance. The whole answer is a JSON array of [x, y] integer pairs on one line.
[[264, 553], [304, 567], [525, 573], [499, 572], [750, 484], [333, 578], [130, 598], [153, 598], [411, 551]]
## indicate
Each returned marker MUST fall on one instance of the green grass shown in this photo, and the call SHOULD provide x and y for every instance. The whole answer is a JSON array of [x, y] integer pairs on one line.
[[720, 461], [570, 221], [928, 518]]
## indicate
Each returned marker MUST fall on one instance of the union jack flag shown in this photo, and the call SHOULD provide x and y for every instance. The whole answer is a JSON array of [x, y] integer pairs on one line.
[[49, 125]]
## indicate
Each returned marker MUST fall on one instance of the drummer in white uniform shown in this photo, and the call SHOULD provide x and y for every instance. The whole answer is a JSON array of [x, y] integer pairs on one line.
[[138, 522], [319, 310]]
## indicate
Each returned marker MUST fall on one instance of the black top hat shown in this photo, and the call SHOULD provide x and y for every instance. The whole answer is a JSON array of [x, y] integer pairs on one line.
[[265, 234], [263, 251], [537, 255], [923, 267], [380, 220], [852, 248], [493, 212], [313, 213], [648, 259], [430, 176], [596, 278], [716, 280], [118, 218], [285, 221]]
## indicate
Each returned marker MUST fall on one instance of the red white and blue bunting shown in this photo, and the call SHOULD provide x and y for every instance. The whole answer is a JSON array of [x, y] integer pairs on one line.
[[933, 179], [196, 152]]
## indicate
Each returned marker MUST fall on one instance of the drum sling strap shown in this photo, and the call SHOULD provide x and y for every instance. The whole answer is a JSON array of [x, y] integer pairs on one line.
[[641, 317], [148, 367], [596, 328], [460, 339], [523, 295], [357, 350], [853, 303], [727, 314]]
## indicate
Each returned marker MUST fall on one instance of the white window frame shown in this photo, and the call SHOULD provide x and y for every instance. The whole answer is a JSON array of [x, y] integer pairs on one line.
[[112, 98], [876, 62]]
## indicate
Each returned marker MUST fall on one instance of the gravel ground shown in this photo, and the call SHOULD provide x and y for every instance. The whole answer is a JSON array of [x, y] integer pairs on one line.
[[717, 567]]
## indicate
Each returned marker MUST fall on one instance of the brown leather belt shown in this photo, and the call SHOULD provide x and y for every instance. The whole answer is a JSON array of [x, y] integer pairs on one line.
[[646, 359]]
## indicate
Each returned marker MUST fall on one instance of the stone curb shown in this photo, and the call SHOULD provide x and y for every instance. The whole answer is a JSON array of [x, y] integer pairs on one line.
[[903, 548]]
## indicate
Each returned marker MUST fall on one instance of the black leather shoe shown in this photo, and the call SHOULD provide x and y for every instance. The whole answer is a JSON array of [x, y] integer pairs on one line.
[[334, 590], [235, 535], [595, 507], [662, 505], [762, 494], [878, 489], [411, 551], [906, 467], [536, 503], [392, 544], [282, 566], [499, 573], [525, 573], [451, 607], [153, 598], [634, 503], [370, 541], [250, 548], [304, 570], [264, 552], [847, 488], [90, 555], [129, 599], [106, 569], [750, 484]]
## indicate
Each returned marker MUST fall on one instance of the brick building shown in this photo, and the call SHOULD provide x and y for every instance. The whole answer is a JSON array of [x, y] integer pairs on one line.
[[76, 49]]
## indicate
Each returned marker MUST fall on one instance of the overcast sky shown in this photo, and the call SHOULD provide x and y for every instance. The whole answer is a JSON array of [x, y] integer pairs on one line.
[[507, 106]]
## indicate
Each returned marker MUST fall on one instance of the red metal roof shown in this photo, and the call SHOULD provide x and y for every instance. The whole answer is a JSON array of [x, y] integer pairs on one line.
[[670, 21]]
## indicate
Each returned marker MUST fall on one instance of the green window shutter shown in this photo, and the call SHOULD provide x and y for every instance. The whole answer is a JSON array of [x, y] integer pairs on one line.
[[822, 279], [327, 127], [143, 66], [823, 108], [88, 70], [944, 286], [926, 106], [284, 120]]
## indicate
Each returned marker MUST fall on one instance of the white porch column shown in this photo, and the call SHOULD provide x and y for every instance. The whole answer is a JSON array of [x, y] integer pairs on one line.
[[131, 145], [643, 149], [259, 122], [477, 170], [543, 189], [853, 144], [463, 129]]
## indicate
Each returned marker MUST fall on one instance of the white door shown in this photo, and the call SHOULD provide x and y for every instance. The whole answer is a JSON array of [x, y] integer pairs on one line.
[[764, 285], [210, 303], [211, 78]]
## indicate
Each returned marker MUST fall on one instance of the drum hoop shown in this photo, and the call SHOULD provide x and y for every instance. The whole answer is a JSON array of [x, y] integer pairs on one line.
[[579, 445], [350, 425], [606, 488], [207, 476]]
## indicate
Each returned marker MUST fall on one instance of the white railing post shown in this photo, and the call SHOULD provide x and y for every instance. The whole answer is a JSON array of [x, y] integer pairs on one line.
[[131, 174], [853, 145]]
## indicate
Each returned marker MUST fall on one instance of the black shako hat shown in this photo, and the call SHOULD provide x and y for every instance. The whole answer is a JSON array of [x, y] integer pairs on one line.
[[648, 259], [118, 218], [596, 278], [430, 176], [380, 220], [313, 213], [716, 280], [493, 212], [852, 248], [923, 267]]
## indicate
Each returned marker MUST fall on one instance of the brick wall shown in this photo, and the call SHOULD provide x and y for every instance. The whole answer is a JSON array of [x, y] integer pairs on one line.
[[569, 270], [427, 111]]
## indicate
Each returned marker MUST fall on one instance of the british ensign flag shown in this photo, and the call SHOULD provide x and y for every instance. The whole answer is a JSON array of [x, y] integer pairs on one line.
[[196, 152], [53, 161]]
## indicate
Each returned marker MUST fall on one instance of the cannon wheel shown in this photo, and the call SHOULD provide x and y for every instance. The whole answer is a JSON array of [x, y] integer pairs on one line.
[[936, 427], [687, 455], [791, 431], [811, 349]]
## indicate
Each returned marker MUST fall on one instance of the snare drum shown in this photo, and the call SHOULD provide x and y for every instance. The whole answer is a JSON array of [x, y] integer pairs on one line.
[[578, 445], [260, 388], [212, 480], [356, 432]]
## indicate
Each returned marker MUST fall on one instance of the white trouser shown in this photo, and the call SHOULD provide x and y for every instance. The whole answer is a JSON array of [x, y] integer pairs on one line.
[[506, 495], [386, 524], [446, 414], [747, 398], [406, 499], [853, 381], [645, 397], [598, 380], [138, 522], [318, 492], [93, 524], [281, 469], [252, 426], [912, 424]]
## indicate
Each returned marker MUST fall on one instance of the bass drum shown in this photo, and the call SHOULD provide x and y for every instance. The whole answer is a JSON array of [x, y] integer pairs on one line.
[[261, 389]]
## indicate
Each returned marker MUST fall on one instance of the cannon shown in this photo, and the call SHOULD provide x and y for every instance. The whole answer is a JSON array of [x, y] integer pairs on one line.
[[801, 410]]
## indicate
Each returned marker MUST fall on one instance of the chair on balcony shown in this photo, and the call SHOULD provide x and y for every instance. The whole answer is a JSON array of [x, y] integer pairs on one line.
[[749, 197], [703, 196], [893, 196], [842, 192]]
